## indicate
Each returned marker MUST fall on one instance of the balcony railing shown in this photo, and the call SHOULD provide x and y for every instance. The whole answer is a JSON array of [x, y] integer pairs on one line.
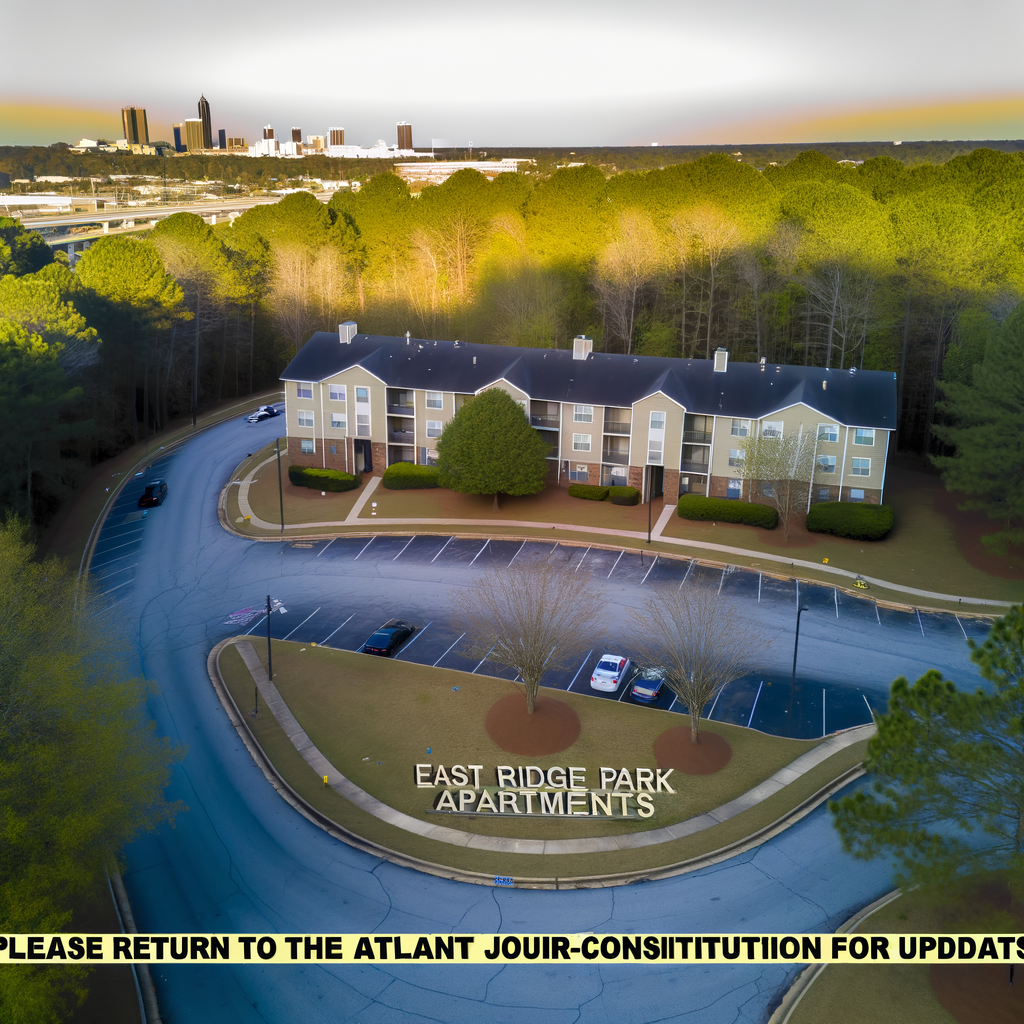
[[544, 422], [402, 436], [616, 426], [696, 437], [688, 466], [401, 410], [615, 458]]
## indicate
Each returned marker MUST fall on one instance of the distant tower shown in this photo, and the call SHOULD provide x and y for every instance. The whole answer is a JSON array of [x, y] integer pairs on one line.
[[268, 132], [179, 138], [222, 139], [404, 135], [136, 129], [337, 136], [204, 116], [296, 135], [194, 140]]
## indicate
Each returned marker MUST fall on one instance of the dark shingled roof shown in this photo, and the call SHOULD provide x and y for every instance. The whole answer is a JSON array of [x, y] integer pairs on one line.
[[865, 398]]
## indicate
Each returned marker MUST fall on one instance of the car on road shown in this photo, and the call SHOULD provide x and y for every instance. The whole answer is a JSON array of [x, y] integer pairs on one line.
[[610, 671], [388, 638], [154, 494], [647, 684], [264, 412]]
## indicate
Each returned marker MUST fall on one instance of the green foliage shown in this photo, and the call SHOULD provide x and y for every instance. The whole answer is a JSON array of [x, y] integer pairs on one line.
[[489, 447], [80, 770], [726, 510], [850, 519], [948, 767], [985, 431], [592, 492], [404, 476], [621, 495], [21, 251], [323, 479]]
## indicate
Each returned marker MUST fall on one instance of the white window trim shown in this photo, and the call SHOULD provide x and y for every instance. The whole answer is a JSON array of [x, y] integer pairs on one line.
[[437, 425], [856, 470], [299, 385], [336, 388], [736, 457], [739, 425], [832, 428], [307, 441], [581, 442], [427, 400], [828, 461], [771, 425], [664, 420], [343, 425], [583, 414], [864, 444], [302, 413]]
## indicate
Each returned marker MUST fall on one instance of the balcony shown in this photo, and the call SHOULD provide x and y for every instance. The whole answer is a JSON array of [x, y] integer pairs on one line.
[[615, 458], [401, 437], [401, 410], [544, 422], [690, 466], [616, 426], [696, 437]]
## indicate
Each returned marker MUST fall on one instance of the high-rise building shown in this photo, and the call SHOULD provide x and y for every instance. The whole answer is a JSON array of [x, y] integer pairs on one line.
[[222, 139], [337, 136], [194, 135], [179, 138], [404, 135], [136, 129], [315, 142], [296, 135], [204, 118], [268, 132]]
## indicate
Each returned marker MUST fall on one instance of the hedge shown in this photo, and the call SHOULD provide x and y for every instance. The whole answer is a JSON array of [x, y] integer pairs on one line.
[[322, 479], [624, 495], [404, 476], [850, 519], [726, 510], [590, 491]]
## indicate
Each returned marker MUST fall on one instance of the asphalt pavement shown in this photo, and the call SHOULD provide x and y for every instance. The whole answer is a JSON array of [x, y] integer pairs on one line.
[[241, 860]]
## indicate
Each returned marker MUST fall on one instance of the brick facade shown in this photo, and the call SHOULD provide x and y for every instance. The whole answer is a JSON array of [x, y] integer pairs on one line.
[[671, 485]]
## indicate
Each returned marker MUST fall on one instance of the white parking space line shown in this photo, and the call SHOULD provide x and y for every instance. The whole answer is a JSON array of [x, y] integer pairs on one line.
[[823, 713], [322, 642], [877, 616], [675, 697], [365, 546], [303, 622], [961, 625], [580, 669], [836, 589], [326, 546], [516, 555], [103, 593], [713, 706], [689, 569], [919, 622], [484, 658], [759, 588], [797, 593], [721, 582], [648, 573], [100, 579], [443, 546], [407, 543], [117, 546], [751, 718], [480, 552], [416, 637], [621, 553], [93, 565], [580, 562], [870, 712], [260, 620], [446, 653]]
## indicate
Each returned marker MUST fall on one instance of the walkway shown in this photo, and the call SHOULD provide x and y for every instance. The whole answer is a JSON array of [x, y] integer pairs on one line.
[[597, 844]]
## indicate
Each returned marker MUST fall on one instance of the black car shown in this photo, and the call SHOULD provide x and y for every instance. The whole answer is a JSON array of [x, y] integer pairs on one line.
[[264, 412], [388, 638], [154, 494]]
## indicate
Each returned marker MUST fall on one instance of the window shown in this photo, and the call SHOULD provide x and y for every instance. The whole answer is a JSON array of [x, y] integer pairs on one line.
[[435, 400], [304, 390], [824, 493], [736, 456], [363, 425], [657, 421], [613, 476], [741, 428], [734, 489], [654, 452], [864, 435], [334, 449], [771, 428], [861, 467], [580, 474], [826, 463], [433, 428], [305, 417], [828, 432], [583, 414], [767, 490], [337, 392], [856, 494], [581, 442], [362, 394], [338, 420], [308, 446], [693, 485]]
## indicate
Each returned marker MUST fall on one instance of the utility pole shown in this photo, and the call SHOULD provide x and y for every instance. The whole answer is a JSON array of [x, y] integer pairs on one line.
[[280, 486], [796, 641]]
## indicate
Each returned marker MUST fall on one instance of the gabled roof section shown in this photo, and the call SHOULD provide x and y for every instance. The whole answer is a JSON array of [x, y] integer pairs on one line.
[[864, 398]]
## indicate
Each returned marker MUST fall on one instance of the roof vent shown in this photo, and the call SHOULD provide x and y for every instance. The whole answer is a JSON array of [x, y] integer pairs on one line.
[[763, 361], [824, 385], [346, 332], [721, 360], [582, 346], [474, 360], [853, 371], [456, 342], [407, 337]]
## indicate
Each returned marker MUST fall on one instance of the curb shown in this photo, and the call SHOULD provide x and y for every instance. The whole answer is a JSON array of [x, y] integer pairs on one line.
[[149, 1009], [339, 832]]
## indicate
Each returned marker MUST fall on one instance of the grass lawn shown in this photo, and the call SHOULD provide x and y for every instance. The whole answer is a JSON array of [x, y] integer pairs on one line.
[[375, 718]]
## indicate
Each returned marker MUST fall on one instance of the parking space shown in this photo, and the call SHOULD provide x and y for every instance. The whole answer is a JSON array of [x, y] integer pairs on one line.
[[778, 592], [424, 550], [668, 572], [632, 568], [741, 584], [599, 563]]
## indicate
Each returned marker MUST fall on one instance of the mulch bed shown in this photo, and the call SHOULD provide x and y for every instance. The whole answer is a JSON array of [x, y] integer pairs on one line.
[[553, 727], [979, 993], [968, 529], [674, 749]]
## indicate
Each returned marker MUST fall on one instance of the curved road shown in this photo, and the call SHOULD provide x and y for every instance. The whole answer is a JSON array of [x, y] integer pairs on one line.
[[241, 860]]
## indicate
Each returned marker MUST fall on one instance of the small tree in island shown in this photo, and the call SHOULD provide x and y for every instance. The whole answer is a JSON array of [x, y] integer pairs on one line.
[[781, 467], [489, 447], [700, 640], [531, 620]]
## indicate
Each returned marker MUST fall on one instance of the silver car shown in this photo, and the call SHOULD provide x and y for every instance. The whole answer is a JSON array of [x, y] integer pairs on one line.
[[610, 671]]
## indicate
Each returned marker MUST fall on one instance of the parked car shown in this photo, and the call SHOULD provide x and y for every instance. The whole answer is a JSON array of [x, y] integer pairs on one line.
[[647, 684], [154, 494], [610, 671], [264, 412], [388, 638]]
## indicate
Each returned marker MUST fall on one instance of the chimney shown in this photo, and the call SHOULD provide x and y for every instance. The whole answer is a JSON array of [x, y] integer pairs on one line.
[[721, 360], [346, 332], [582, 346]]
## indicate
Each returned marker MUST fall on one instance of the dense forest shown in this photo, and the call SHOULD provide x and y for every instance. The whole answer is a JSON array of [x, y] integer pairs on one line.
[[880, 265]]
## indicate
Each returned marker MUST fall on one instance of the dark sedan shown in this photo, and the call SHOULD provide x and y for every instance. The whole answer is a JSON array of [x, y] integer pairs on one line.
[[389, 638], [154, 494], [264, 412], [647, 684]]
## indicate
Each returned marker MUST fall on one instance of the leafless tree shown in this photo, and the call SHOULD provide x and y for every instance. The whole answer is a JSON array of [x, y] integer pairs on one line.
[[781, 467], [531, 619], [702, 642]]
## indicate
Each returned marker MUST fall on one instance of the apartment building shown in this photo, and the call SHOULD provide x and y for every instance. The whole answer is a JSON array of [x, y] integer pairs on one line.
[[359, 402]]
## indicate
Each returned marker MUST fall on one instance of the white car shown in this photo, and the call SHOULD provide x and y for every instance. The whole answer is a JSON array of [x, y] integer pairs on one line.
[[610, 671]]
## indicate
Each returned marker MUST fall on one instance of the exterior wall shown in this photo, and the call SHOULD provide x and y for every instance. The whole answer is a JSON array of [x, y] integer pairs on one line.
[[636, 477], [594, 429], [444, 414], [673, 442], [671, 485]]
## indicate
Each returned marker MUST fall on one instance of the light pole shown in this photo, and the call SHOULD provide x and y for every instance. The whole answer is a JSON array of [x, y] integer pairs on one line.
[[649, 498], [796, 641], [270, 665], [280, 486]]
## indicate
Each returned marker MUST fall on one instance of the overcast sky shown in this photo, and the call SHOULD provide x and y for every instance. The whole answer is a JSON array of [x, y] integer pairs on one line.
[[533, 73]]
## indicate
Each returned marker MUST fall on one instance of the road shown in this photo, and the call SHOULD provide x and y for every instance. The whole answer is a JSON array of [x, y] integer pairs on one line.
[[241, 860]]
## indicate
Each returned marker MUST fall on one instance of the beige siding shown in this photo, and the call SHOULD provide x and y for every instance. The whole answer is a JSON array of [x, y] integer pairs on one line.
[[570, 427], [641, 430]]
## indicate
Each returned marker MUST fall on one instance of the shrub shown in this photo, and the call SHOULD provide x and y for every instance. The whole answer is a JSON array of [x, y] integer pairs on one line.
[[850, 519], [404, 476], [590, 491], [726, 510], [322, 479], [624, 495]]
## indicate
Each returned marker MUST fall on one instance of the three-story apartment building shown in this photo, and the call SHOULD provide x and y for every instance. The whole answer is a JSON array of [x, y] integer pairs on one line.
[[359, 402]]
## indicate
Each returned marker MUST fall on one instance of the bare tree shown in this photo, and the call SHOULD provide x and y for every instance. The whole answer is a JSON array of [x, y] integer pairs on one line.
[[702, 642], [780, 466], [531, 619]]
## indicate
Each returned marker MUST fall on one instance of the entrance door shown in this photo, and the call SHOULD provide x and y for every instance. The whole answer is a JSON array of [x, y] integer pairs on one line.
[[364, 455], [657, 481]]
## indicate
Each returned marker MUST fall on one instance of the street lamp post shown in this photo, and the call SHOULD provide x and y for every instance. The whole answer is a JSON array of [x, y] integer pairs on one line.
[[280, 486], [270, 665], [796, 641]]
